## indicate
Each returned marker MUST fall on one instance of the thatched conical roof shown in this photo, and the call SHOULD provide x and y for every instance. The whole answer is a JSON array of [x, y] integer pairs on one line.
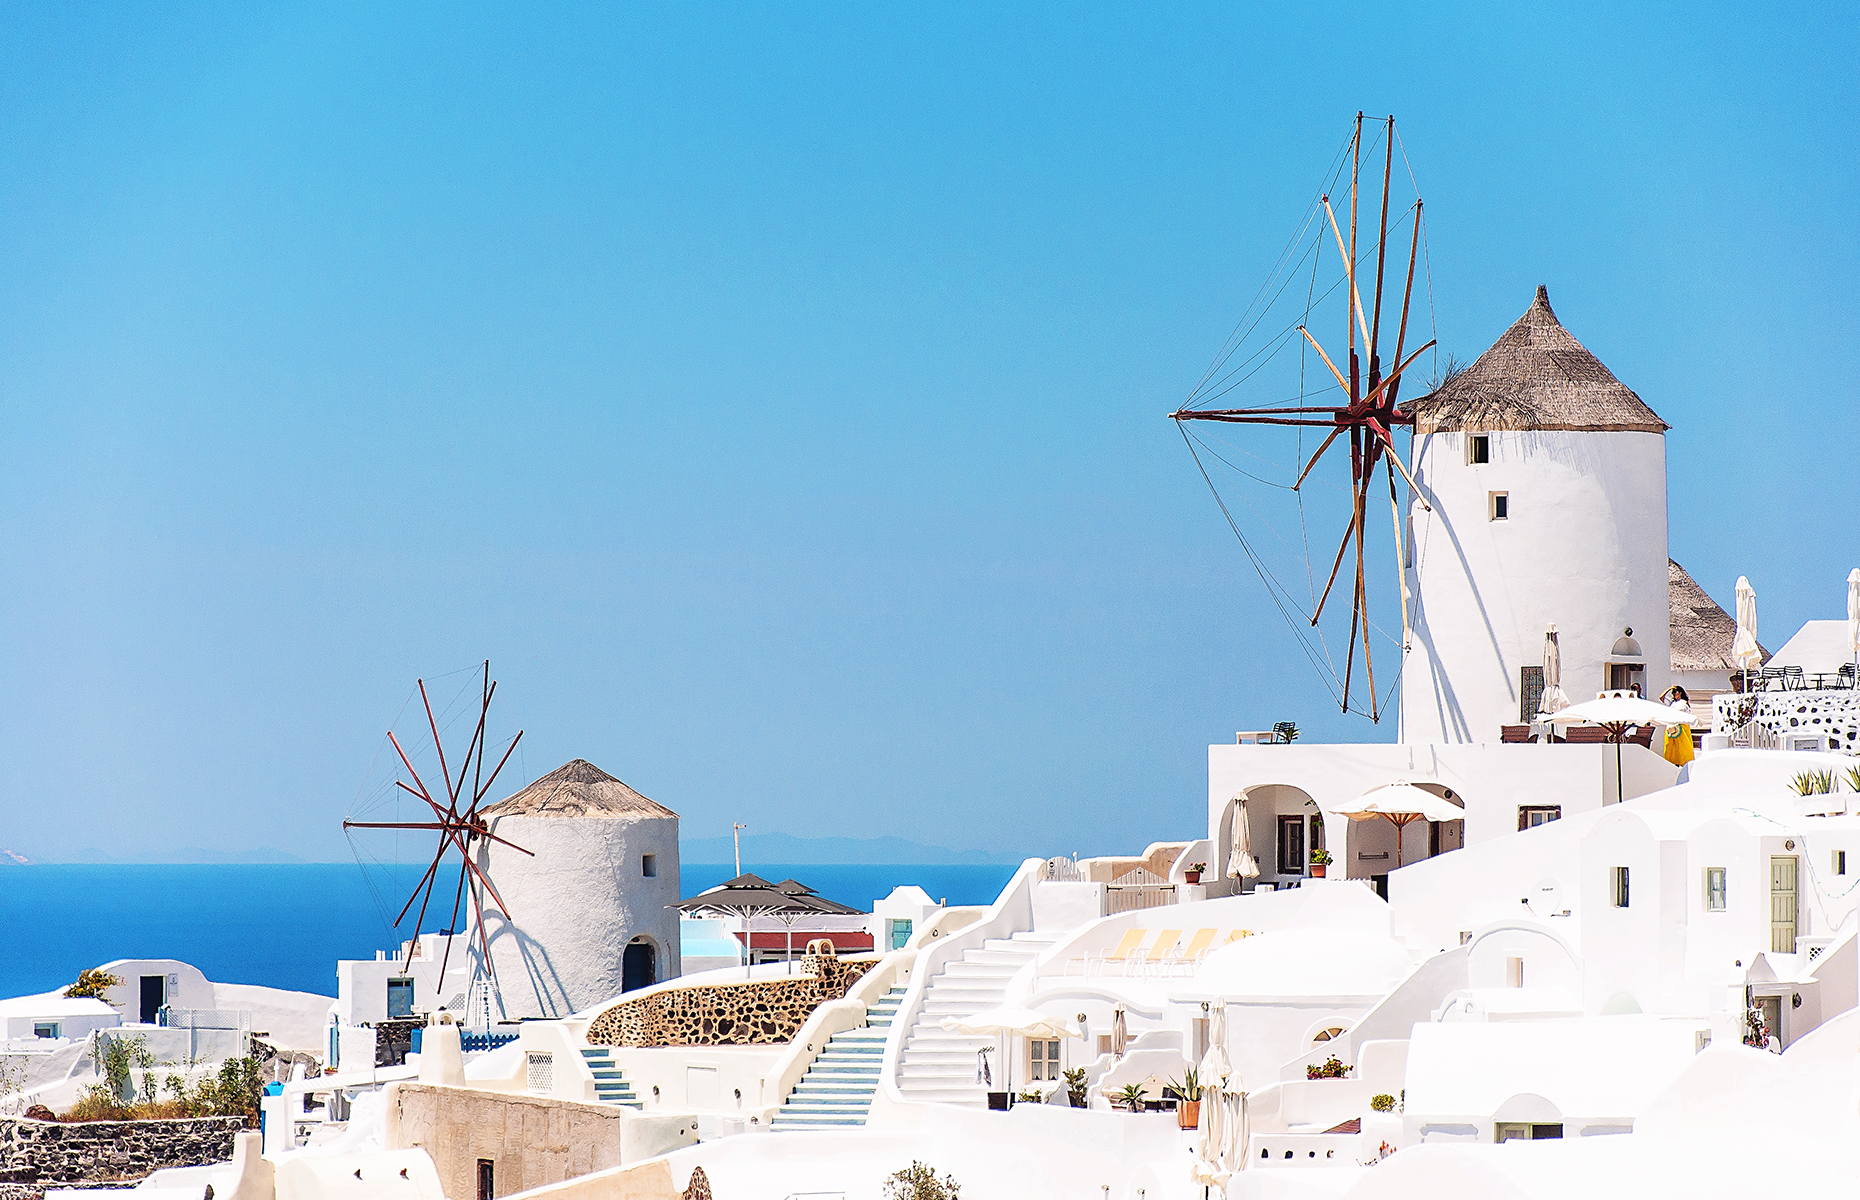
[[1701, 631], [577, 789], [1536, 376]]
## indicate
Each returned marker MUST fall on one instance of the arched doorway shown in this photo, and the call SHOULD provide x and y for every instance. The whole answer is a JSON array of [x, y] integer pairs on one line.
[[638, 966]]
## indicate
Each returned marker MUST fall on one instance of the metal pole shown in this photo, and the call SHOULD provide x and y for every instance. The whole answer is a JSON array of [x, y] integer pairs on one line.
[[736, 836]]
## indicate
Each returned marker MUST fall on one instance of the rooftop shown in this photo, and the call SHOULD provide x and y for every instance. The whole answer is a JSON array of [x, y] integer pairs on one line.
[[578, 789], [1535, 376]]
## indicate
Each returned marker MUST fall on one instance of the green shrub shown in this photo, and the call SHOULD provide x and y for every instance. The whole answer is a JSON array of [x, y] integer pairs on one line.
[[91, 982], [1382, 1102], [919, 1182], [1333, 1068]]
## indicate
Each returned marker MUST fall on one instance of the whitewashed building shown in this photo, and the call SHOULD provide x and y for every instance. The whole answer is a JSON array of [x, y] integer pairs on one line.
[[1545, 483], [592, 903]]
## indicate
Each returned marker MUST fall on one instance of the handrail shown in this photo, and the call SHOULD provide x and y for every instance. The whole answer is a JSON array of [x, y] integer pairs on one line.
[[1011, 912], [835, 1016]]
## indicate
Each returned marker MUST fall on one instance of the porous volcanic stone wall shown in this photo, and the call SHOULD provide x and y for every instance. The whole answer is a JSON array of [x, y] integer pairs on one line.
[[764, 1012], [39, 1154]]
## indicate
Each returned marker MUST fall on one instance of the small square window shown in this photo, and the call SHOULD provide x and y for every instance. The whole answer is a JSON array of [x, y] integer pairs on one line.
[[45, 1029], [1620, 887], [1714, 889], [1500, 505], [1478, 449], [649, 865]]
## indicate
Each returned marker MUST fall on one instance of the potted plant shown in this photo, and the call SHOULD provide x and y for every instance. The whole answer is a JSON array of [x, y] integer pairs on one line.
[[1333, 1068], [1193, 874], [1130, 1096], [1075, 1087], [1187, 1099], [1320, 861]]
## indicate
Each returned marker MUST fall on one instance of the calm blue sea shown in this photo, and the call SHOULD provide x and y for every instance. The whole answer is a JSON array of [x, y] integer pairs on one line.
[[285, 926]]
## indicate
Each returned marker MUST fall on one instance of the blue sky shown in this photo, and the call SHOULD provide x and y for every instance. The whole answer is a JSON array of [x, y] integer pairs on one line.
[[776, 397]]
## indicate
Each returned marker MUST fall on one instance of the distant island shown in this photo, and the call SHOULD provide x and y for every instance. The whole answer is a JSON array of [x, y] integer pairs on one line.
[[787, 849]]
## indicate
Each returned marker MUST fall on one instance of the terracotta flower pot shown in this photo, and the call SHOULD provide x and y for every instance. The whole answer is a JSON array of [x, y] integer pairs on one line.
[[1317, 870], [1187, 1114], [1192, 876]]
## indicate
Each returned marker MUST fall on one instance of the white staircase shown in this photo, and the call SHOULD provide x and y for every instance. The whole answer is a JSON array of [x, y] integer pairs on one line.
[[939, 1067], [837, 1090]]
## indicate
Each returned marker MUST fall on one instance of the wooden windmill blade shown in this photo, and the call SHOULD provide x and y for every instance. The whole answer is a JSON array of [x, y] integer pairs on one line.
[[460, 828], [1369, 411]]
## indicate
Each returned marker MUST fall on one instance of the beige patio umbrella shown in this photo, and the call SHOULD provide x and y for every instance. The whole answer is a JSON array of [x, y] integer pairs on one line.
[[1120, 1032], [1011, 1020], [1553, 699], [1220, 1143], [1401, 804], [1744, 649], [1853, 618], [1617, 713], [1240, 861]]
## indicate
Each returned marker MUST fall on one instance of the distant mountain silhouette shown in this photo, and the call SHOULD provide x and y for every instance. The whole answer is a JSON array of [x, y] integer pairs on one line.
[[785, 848]]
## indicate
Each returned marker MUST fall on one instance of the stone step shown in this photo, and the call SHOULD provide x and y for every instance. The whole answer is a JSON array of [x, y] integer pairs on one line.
[[839, 1087]]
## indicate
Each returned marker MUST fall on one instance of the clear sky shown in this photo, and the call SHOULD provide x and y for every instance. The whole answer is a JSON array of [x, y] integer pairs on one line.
[[776, 395]]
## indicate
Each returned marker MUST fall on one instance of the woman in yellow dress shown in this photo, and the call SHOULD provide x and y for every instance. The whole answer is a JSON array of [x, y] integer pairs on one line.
[[1678, 749]]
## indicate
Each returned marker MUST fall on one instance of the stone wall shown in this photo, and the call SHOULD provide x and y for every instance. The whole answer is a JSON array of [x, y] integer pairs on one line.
[[763, 1012], [51, 1153]]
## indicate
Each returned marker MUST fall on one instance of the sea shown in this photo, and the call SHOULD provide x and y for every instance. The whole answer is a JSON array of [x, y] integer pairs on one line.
[[285, 926]]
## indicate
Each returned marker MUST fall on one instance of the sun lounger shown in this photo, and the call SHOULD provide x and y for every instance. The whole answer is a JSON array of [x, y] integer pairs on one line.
[[1161, 948], [1123, 952], [1197, 948]]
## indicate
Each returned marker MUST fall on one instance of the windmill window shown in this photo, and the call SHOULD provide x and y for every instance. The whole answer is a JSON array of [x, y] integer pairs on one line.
[[1499, 505], [649, 865], [1478, 449]]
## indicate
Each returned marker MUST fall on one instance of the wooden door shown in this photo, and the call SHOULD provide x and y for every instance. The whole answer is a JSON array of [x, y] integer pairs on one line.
[[1782, 904], [1291, 845]]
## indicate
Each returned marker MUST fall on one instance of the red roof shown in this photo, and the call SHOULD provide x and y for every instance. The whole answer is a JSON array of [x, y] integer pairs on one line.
[[842, 939]]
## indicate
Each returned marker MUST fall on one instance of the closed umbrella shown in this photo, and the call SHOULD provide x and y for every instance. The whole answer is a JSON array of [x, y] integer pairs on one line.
[[1240, 861], [1120, 1032], [1745, 652], [1220, 1145], [1553, 699], [1617, 713], [1401, 804], [1853, 619]]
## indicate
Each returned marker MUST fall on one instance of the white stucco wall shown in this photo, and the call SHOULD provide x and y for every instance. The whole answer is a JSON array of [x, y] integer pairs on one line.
[[1492, 780], [1584, 547], [576, 904]]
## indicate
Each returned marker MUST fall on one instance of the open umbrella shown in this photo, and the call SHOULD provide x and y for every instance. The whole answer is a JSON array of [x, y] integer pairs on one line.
[[1401, 804], [1553, 699], [1240, 861], [1615, 712], [1744, 649], [1011, 1020]]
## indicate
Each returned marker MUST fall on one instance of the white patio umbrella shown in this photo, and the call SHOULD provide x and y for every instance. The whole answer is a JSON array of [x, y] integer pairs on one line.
[[1853, 619], [1120, 1032], [1400, 804], [1220, 1144], [1616, 713], [1745, 652], [1011, 1020], [1553, 699], [1240, 861]]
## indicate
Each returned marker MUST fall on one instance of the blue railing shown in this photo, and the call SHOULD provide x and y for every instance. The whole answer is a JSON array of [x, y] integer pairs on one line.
[[471, 1041]]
